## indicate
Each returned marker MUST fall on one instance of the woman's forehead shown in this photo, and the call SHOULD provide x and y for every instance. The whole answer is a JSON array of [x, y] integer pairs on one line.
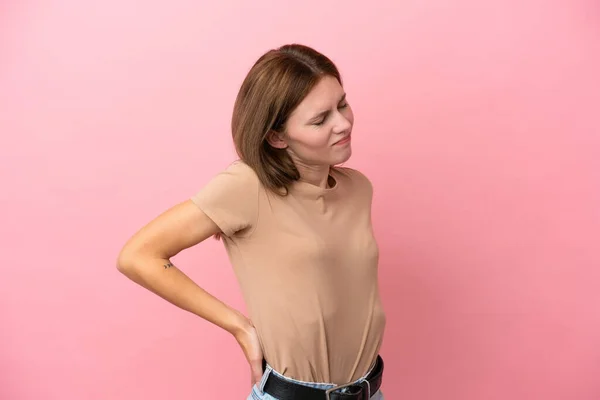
[[326, 94]]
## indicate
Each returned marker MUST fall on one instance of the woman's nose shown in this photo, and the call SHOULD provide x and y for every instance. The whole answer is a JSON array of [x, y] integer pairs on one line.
[[342, 124]]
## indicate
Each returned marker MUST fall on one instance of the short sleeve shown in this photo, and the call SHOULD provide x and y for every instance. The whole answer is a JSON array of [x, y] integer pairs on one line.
[[230, 198]]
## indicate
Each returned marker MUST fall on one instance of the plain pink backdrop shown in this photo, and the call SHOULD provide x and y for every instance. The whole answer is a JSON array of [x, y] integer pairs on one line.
[[477, 121]]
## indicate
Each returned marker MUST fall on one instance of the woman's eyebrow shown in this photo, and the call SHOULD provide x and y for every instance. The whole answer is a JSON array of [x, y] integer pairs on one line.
[[324, 113]]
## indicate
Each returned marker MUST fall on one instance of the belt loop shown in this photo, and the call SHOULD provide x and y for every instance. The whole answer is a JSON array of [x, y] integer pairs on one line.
[[261, 384]]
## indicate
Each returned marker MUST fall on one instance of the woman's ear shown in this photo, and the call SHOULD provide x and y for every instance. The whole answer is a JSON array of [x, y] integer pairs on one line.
[[276, 139]]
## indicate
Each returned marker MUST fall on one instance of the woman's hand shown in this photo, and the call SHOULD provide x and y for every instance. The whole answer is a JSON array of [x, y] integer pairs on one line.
[[248, 341]]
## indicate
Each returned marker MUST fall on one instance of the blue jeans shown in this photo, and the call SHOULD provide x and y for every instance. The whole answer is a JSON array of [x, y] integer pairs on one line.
[[258, 394]]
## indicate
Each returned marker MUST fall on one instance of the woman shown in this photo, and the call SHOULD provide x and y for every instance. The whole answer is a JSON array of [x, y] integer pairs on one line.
[[297, 229]]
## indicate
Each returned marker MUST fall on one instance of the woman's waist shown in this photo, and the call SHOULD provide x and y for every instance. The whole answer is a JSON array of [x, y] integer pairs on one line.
[[321, 358], [332, 370]]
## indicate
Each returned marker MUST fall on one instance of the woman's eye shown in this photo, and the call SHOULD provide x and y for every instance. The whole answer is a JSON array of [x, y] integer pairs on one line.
[[340, 107]]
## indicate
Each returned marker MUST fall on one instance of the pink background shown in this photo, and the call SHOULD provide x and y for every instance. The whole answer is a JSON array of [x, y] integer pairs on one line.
[[477, 122]]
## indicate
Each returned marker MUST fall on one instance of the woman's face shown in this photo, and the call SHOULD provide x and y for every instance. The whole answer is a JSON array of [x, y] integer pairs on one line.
[[317, 133]]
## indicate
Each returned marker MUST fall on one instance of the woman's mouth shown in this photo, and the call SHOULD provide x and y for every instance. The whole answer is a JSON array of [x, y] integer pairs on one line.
[[342, 141]]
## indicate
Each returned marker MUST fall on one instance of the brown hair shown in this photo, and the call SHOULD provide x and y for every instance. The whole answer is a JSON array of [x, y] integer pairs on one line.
[[273, 88]]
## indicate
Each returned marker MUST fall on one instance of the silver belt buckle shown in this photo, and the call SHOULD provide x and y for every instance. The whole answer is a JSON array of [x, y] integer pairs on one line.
[[333, 389]]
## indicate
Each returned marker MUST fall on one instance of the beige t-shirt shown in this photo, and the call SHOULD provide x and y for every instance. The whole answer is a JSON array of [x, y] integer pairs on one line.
[[307, 267]]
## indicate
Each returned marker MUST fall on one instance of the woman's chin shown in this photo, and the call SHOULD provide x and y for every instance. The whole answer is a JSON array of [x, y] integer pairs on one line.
[[345, 157]]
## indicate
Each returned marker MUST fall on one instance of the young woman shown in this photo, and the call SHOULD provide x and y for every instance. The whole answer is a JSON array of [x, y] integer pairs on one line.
[[297, 230]]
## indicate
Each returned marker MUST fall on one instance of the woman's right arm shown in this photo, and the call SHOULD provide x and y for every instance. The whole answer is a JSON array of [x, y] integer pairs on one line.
[[145, 259]]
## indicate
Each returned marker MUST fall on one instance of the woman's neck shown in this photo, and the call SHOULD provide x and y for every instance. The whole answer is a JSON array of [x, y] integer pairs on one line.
[[315, 175]]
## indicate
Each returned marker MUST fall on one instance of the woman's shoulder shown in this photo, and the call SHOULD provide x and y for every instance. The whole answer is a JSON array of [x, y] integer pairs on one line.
[[240, 172], [240, 167], [237, 178], [353, 175]]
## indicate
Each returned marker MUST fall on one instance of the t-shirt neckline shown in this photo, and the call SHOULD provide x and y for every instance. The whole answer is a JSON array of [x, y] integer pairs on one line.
[[310, 189]]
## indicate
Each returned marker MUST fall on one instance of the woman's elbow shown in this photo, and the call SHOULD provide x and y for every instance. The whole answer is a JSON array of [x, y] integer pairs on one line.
[[126, 261]]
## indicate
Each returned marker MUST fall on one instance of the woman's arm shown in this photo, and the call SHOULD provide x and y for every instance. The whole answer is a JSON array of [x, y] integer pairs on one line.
[[145, 259]]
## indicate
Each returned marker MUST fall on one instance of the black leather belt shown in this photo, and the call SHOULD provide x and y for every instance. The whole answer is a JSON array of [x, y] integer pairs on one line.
[[286, 390]]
